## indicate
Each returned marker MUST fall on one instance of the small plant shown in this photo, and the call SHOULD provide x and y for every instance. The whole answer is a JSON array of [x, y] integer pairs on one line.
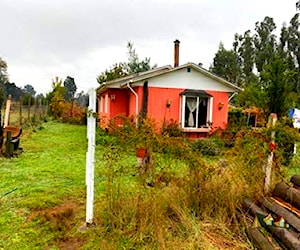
[[104, 138], [172, 129]]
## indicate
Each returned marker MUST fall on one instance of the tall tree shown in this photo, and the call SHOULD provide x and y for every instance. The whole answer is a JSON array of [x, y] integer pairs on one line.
[[118, 70], [226, 65], [265, 42], [29, 89], [3, 72], [276, 80], [13, 90], [246, 53], [56, 97], [70, 87], [3, 80], [133, 65], [293, 49]]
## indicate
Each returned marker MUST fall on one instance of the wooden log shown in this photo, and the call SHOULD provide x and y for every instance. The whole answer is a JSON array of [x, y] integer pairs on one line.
[[286, 205], [290, 194], [284, 236], [259, 240], [292, 219], [296, 180], [253, 208]]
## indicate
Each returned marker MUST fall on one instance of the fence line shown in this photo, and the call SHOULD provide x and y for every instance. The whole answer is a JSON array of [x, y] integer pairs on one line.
[[27, 114]]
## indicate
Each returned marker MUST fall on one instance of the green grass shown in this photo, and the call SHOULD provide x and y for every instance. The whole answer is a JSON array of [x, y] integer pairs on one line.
[[294, 166], [50, 170]]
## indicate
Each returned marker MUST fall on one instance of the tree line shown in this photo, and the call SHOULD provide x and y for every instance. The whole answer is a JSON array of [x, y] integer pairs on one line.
[[63, 101], [266, 66]]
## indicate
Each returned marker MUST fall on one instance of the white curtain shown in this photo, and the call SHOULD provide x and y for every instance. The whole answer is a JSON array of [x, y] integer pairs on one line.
[[192, 105]]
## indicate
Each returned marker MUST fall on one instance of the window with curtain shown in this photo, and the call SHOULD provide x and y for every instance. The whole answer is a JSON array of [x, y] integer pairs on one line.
[[196, 108]]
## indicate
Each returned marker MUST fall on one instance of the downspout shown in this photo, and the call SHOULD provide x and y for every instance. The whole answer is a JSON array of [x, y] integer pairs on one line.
[[136, 104], [232, 96]]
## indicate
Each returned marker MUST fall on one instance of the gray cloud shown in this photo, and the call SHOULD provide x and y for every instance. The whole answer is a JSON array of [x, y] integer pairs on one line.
[[64, 37]]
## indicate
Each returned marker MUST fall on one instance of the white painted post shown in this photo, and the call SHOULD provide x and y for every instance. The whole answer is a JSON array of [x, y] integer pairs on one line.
[[90, 157], [268, 167]]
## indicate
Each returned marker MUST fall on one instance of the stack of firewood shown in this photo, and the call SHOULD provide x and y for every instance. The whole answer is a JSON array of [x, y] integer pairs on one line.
[[276, 221]]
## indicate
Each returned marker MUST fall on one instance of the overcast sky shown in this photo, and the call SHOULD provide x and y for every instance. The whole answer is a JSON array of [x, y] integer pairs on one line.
[[41, 39]]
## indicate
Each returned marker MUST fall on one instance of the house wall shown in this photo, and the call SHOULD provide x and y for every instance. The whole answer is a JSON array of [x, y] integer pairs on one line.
[[219, 115], [111, 103], [181, 79], [158, 98], [132, 100], [118, 101]]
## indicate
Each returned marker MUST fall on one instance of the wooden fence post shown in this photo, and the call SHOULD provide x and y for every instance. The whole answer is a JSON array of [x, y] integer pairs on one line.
[[28, 109], [268, 166], [20, 110], [7, 111]]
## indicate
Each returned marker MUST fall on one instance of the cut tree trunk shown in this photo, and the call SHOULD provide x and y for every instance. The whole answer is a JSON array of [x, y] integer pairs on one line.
[[296, 180], [292, 219], [259, 239], [286, 205], [284, 236], [290, 194]]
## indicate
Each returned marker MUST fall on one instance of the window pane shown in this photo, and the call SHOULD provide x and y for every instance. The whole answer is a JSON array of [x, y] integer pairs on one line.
[[202, 113], [190, 112]]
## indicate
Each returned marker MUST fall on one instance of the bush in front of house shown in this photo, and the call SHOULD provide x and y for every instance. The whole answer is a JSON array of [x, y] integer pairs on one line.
[[208, 146], [73, 114]]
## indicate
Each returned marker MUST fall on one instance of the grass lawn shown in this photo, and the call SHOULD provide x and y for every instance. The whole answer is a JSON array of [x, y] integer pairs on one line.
[[50, 172]]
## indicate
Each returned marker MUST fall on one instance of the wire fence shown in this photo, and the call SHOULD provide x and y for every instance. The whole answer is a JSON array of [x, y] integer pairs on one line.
[[29, 115]]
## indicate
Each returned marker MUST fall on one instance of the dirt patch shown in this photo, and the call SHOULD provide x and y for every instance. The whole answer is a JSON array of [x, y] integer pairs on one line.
[[70, 244], [64, 212], [61, 222]]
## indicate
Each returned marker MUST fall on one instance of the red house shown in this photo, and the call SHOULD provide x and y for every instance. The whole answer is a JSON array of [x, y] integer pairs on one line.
[[187, 94]]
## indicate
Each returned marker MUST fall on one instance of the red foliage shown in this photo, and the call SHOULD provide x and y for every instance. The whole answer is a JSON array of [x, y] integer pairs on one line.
[[74, 114]]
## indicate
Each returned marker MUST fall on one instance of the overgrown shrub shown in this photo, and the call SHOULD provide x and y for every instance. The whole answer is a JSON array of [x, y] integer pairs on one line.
[[104, 138], [72, 113], [236, 120], [285, 138], [176, 211], [208, 146], [172, 129]]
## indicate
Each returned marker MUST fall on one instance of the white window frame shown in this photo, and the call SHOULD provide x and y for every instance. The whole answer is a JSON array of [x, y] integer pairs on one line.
[[106, 104], [208, 116], [101, 104]]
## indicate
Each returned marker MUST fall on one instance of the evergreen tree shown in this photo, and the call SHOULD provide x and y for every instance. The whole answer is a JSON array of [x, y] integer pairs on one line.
[[265, 42], [226, 65], [276, 80], [132, 66], [70, 88], [118, 70]]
